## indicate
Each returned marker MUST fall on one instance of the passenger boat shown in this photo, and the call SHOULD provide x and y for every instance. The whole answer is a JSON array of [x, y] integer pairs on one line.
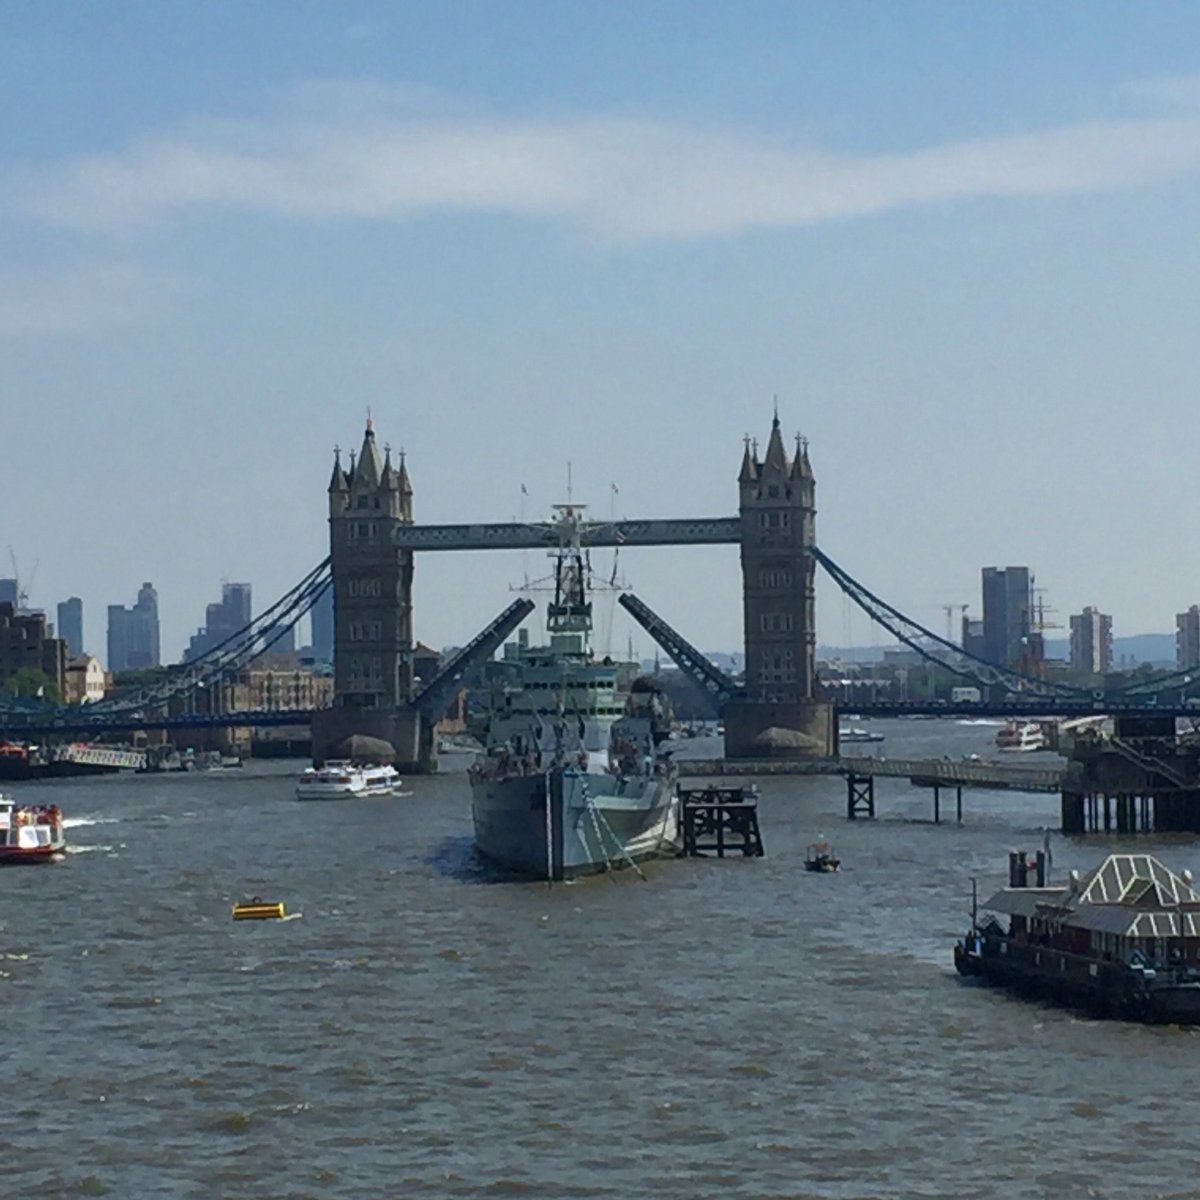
[[854, 734], [31, 833], [1121, 941], [574, 777], [1021, 735], [820, 857], [339, 780]]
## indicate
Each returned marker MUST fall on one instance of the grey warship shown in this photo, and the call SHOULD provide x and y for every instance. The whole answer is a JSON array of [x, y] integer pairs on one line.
[[573, 778]]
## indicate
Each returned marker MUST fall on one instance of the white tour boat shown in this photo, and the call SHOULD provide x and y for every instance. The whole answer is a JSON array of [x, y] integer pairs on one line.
[[1021, 735], [338, 780]]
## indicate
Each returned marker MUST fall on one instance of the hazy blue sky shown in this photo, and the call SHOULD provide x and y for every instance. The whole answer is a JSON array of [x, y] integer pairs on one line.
[[958, 242]]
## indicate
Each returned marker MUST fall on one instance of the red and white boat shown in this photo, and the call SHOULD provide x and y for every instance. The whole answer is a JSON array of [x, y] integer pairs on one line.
[[30, 833]]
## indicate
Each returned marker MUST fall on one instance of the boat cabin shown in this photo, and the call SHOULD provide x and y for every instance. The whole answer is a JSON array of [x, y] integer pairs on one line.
[[1130, 909]]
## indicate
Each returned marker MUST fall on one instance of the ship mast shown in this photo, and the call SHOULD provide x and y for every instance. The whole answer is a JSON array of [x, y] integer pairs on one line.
[[571, 611]]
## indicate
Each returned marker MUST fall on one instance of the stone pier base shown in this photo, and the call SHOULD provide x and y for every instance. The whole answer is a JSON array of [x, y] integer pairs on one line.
[[406, 730], [800, 729]]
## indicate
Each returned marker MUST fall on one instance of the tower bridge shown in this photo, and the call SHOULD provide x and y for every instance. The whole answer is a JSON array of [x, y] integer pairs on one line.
[[774, 710], [373, 540]]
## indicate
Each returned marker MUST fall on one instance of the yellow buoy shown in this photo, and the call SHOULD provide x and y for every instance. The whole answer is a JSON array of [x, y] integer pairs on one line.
[[257, 909]]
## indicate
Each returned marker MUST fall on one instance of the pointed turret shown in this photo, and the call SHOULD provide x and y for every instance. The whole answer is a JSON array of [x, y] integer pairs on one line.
[[405, 482], [387, 477], [338, 481], [749, 471], [776, 458], [801, 468], [369, 471]]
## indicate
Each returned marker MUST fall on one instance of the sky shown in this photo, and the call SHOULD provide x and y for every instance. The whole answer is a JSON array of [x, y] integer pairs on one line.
[[956, 244]]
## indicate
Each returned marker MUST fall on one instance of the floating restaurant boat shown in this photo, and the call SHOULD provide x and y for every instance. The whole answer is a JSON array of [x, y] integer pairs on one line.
[[1021, 735], [1121, 941], [258, 909], [338, 780], [573, 778], [820, 857], [31, 833]]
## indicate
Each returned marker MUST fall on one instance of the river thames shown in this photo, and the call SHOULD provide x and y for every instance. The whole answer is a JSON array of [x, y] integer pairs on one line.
[[736, 1028]]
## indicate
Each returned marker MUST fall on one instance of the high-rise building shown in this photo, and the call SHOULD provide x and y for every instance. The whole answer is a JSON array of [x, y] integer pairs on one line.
[[221, 620], [1091, 642], [70, 625], [26, 643], [281, 641], [133, 632], [9, 593], [1187, 638], [322, 619], [1007, 605]]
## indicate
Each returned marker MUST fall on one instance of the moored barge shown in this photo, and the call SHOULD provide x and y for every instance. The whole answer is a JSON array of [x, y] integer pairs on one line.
[[1121, 941]]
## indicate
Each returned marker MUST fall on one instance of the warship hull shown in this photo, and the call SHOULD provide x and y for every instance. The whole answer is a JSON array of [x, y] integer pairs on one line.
[[564, 823]]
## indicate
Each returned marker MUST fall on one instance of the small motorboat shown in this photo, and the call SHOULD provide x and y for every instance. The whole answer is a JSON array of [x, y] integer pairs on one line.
[[820, 857], [258, 909], [31, 833]]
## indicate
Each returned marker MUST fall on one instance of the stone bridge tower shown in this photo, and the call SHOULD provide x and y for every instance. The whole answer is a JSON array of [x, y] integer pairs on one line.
[[372, 601], [780, 715]]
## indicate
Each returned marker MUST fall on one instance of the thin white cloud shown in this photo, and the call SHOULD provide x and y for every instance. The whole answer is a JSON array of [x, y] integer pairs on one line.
[[616, 177], [83, 299]]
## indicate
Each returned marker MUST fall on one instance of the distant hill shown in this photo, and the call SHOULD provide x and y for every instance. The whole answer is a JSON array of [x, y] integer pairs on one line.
[[1157, 649]]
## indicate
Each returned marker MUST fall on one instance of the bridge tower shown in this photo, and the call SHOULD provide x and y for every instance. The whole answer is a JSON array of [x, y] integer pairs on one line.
[[777, 512], [372, 600]]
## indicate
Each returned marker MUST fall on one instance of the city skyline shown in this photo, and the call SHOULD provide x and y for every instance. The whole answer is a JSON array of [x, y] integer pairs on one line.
[[957, 244]]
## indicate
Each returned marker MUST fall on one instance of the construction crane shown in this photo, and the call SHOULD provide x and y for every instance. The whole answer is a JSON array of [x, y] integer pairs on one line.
[[22, 592]]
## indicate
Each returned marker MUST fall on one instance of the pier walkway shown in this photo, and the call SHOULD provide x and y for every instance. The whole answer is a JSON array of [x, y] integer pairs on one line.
[[923, 772], [860, 774]]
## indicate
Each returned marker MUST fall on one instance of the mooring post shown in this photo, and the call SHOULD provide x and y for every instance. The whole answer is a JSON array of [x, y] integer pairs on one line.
[[937, 805], [958, 803]]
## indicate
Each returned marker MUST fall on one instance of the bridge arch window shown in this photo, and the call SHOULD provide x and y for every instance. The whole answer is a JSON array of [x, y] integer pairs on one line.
[[775, 622], [774, 577]]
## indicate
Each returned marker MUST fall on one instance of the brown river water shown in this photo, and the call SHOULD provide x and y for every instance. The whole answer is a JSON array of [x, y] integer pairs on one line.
[[737, 1028]]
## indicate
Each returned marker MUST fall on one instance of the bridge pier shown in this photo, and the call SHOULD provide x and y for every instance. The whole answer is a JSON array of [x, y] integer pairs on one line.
[[860, 796], [403, 729], [937, 803]]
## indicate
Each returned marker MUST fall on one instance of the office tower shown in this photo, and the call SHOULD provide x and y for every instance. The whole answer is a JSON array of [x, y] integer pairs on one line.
[[70, 625], [1006, 615], [1091, 642], [321, 615], [133, 639], [1187, 638], [222, 620]]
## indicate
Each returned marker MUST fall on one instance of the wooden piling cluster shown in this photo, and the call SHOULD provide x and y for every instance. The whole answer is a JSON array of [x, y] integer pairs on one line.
[[720, 819], [1175, 810]]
